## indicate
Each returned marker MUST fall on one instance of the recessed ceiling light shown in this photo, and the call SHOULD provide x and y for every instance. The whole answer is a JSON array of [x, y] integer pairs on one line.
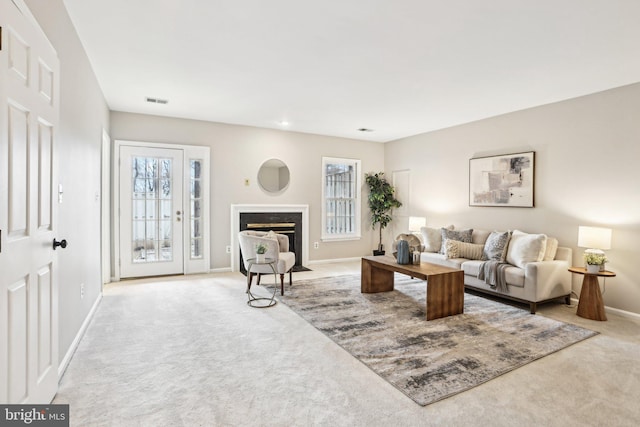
[[157, 100], [283, 123], [365, 130]]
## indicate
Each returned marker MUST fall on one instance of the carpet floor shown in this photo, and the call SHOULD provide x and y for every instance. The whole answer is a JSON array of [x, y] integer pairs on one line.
[[427, 360], [188, 351]]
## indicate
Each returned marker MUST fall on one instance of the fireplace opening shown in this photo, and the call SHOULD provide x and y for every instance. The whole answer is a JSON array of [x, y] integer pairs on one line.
[[287, 223]]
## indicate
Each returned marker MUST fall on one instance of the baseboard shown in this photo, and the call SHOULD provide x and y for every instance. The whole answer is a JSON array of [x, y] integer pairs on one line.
[[612, 310], [76, 341], [329, 261], [220, 270]]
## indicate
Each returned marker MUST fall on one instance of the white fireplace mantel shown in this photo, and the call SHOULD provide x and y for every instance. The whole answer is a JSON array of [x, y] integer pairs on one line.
[[236, 210]]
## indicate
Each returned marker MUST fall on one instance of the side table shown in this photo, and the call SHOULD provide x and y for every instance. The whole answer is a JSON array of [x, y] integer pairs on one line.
[[258, 302], [590, 305]]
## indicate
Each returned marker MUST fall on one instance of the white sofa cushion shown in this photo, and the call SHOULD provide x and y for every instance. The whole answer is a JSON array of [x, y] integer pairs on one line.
[[514, 276], [552, 248], [479, 237], [441, 259], [525, 248], [432, 238]]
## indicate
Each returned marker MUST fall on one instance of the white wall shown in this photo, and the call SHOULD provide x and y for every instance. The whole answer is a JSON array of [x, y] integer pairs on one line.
[[237, 153], [586, 173], [83, 115]]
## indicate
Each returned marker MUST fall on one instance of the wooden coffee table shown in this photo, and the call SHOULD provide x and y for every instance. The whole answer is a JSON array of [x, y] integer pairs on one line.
[[445, 285]]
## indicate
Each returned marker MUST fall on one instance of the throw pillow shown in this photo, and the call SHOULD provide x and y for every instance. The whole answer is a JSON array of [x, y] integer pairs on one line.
[[459, 235], [457, 249], [495, 248], [552, 248], [525, 248], [432, 238], [271, 235]]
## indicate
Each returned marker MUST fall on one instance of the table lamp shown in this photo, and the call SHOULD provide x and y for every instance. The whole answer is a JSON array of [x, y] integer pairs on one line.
[[594, 238], [416, 223]]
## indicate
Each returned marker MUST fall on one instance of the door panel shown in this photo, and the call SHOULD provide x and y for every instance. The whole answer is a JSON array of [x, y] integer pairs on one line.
[[17, 343], [18, 170], [45, 156], [151, 211], [28, 265], [44, 321]]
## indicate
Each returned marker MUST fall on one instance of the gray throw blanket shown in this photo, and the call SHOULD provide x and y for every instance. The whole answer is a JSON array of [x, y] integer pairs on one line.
[[492, 272]]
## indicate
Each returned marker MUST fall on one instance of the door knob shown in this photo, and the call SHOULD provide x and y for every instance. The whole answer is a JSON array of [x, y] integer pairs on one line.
[[62, 243]]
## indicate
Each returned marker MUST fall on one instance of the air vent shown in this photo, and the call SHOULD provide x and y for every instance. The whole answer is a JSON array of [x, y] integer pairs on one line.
[[157, 100]]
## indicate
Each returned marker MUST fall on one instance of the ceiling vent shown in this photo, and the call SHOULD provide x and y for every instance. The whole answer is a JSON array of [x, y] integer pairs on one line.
[[157, 100]]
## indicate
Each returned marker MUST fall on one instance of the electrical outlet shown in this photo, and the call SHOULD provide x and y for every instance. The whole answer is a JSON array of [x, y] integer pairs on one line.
[[316, 245], [81, 290], [228, 249]]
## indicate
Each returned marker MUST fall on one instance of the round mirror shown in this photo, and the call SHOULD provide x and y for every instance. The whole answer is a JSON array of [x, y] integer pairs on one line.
[[273, 176]]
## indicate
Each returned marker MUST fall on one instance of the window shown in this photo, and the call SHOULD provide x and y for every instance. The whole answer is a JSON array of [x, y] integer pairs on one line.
[[195, 197], [340, 199]]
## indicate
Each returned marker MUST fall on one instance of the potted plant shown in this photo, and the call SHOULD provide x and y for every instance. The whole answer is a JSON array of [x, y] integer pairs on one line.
[[381, 202], [595, 261], [261, 250]]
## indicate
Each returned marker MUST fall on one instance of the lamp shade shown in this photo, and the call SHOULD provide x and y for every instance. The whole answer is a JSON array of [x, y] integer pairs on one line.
[[594, 237], [416, 223]]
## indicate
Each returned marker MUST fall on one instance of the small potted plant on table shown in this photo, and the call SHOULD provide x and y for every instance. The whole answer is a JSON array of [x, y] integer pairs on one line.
[[595, 262], [261, 250]]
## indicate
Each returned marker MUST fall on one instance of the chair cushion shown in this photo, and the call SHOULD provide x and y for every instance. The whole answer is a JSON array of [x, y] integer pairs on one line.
[[286, 261]]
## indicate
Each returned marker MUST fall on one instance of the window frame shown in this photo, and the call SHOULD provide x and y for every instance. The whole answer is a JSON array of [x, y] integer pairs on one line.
[[356, 234]]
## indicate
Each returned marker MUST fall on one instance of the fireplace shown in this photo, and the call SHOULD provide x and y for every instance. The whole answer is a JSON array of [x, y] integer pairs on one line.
[[287, 223], [290, 220]]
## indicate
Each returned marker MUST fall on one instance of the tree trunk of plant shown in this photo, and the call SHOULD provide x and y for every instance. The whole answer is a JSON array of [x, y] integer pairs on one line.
[[380, 239]]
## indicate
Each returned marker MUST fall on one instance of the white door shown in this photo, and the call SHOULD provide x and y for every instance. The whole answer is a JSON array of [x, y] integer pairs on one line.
[[151, 211], [28, 263]]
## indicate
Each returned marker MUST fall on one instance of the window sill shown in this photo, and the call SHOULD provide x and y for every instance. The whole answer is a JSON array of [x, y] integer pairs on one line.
[[339, 238]]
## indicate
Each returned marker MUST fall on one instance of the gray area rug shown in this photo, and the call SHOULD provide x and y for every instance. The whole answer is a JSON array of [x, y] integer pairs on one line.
[[427, 360]]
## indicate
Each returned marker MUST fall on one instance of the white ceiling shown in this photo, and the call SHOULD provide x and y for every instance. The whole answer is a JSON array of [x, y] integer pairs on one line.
[[330, 67]]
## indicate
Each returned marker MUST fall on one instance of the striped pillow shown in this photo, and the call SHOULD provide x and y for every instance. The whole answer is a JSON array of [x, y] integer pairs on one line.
[[456, 249]]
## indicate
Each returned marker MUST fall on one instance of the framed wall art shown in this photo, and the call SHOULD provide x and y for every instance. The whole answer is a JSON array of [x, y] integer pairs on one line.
[[504, 180]]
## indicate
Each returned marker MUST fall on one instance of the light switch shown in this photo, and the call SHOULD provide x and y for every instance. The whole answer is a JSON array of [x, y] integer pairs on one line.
[[60, 193], [246, 182]]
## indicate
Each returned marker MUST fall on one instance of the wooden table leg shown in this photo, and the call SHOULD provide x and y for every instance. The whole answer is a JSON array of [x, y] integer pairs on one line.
[[375, 279], [591, 305], [445, 295]]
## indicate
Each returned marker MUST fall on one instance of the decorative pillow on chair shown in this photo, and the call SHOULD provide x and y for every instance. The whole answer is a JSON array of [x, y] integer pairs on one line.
[[457, 249], [271, 235], [495, 248], [459, 235], [432, 238], [525, 248]]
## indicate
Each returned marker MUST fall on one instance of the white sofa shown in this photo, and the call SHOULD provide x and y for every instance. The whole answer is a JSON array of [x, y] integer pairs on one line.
[[537, 270]]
